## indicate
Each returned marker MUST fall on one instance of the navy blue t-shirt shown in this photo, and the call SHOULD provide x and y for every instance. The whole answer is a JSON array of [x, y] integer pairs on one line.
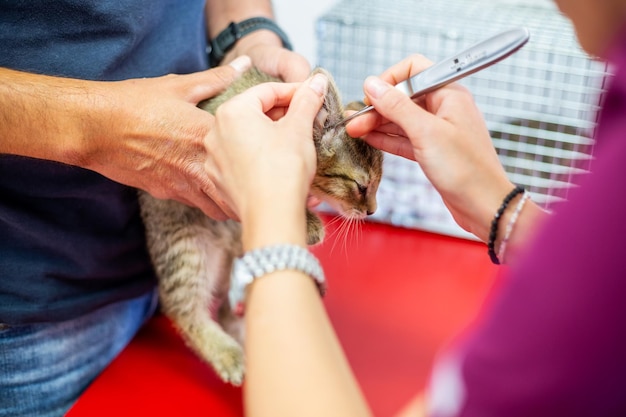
[[72, 240]]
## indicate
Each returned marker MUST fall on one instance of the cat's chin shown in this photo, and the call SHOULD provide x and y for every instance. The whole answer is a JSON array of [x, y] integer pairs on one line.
[[352, 214]]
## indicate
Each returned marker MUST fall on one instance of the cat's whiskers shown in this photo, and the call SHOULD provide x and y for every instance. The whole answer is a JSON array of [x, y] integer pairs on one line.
[[349, 228], [340, 232], [333, 221], [358, 229], [336, 231], [355, 225], [347, 222], [346, 231]]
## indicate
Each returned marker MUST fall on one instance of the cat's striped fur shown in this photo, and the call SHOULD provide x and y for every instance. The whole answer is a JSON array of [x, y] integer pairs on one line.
[[192, 253]]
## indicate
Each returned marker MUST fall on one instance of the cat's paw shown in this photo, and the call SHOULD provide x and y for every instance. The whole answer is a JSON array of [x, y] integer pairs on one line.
[[218, 349], [315, 229], [228, 362]]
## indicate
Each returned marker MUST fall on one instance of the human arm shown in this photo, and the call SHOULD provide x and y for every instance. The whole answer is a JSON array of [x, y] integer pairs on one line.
[[295, 365], [263, 46], [447, 136], [146, 133], [416, 407]]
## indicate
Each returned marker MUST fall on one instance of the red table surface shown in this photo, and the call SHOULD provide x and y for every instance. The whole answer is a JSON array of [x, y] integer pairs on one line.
[[396, 296]]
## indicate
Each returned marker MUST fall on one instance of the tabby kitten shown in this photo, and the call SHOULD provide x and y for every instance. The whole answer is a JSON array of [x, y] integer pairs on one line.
[[192, 254]]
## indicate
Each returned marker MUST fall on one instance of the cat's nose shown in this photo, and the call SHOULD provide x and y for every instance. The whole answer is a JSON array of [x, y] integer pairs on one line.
[[369, 212]]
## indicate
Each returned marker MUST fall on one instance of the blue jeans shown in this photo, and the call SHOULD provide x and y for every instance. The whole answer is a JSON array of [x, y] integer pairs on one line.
[[45, 367]]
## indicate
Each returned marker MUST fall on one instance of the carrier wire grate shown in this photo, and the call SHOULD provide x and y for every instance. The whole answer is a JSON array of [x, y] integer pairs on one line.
[[541, 104]]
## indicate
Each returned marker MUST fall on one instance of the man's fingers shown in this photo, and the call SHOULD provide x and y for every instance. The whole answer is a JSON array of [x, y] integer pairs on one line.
[[264, 97], [213, 210], [294, 69], [206, 84]]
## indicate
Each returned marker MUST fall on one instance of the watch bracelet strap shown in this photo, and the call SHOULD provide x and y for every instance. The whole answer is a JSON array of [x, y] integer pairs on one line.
[[259, 262], [227, 38]]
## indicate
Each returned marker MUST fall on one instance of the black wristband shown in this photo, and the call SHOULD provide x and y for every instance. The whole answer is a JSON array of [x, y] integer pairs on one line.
[[493, 233], [227, 38]]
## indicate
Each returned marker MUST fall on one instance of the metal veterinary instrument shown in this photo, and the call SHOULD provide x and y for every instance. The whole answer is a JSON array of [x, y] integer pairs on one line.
[[460, 65]]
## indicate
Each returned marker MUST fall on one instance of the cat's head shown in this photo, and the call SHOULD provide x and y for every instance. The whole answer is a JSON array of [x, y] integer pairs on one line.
[[348, 169]]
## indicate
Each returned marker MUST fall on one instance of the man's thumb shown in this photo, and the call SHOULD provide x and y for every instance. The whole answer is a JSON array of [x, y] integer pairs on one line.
[[209, 83]]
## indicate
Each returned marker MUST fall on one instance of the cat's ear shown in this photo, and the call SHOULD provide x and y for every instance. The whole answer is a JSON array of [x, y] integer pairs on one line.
[[332, 109]]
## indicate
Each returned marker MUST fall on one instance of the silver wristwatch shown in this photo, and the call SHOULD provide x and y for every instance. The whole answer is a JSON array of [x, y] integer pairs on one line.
[[258, 262]]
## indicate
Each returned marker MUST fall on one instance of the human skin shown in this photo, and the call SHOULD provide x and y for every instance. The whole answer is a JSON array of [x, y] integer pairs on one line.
[[446, 134], [264, 47], [284, 316], [145, 133], [596, 23], [295, 366]]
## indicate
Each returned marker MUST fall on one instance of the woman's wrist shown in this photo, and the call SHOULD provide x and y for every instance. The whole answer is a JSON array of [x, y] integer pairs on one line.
[[477, 204], [476, 215], [274, 218], [529, 215], [496, 230]]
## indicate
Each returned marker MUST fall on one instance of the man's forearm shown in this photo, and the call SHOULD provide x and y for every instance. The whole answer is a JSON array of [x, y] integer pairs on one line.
[[221, 12], [42, 116]]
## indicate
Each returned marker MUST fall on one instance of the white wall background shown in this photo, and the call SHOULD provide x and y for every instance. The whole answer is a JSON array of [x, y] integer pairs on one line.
[[297, 18]]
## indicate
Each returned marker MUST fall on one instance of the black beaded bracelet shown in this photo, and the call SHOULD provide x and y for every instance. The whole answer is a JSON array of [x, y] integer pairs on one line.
[[496, 220]]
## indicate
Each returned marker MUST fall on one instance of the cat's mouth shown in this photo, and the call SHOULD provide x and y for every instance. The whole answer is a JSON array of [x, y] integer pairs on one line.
[[354, 214], [348, 212]]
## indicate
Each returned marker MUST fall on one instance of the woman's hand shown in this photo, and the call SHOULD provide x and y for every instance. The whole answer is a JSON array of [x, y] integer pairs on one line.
[[261, 152], [446, 134]]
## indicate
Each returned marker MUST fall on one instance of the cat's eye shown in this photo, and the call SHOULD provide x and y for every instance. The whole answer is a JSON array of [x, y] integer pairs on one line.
[[362, 189]]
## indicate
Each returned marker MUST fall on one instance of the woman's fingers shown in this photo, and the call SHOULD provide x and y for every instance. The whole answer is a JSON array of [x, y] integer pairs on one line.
[[406, 68], [307, 101]]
